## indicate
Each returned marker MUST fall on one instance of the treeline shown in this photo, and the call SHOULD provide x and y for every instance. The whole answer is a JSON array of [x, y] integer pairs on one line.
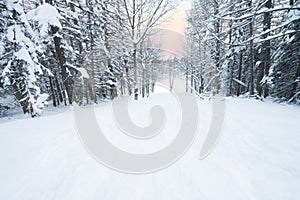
[[60, 51], [245, 47]]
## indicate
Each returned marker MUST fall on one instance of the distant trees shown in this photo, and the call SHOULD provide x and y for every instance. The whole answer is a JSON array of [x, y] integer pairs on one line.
[[140, 18], [252, 45]]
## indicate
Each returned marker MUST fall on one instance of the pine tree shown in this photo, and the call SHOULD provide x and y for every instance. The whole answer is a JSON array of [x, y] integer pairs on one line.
[[20, 65], [285, 69]]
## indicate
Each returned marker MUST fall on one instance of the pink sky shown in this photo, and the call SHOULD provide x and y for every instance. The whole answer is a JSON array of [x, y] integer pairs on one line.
[[178, 18], [171, 38]]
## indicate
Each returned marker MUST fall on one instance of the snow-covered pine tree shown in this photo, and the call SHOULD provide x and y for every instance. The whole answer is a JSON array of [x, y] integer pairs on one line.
[[44, 19], [19, 64], [285, 71]]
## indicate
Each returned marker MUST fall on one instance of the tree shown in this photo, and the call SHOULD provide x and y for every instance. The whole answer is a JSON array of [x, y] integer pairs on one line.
[[21, 68], [255, 41], [285, 70], [265, 55]]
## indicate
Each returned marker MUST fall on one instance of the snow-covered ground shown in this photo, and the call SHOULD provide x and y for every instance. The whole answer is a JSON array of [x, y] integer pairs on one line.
[[257, 157]]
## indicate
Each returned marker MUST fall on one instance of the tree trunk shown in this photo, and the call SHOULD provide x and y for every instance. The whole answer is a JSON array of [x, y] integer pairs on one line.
[[251, 63], [265, 55], [216, 85], [136, 90], [240, 74], [62, 61], [52, 91]]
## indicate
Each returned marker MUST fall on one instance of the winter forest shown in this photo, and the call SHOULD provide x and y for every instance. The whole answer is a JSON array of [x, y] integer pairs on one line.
[[149, 99], [250, 46], [105, 49]]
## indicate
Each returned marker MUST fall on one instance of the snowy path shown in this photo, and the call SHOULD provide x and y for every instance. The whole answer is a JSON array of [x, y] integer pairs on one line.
[[258, 157]]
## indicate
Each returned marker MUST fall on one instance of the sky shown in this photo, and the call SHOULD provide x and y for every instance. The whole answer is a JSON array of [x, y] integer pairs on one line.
[[177, 18], [171, 37]]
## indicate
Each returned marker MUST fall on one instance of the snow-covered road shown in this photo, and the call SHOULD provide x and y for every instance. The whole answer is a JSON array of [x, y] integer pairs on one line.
[[257, 157]]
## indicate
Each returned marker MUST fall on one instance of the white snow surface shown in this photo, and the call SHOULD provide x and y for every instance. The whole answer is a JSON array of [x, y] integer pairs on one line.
[[257, 157]]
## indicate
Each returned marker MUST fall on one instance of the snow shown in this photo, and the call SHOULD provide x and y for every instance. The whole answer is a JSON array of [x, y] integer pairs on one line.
[[23, 54], [240, 82], [15, 34], [46, 15], [257, 157], [14, 5], [110, 82], [32, 67], [39, 103], [5, 71], [81, 70]]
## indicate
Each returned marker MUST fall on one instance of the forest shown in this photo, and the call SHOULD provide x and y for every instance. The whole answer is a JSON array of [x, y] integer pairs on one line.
[[55, 52], [149, 99], [245, 47]]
